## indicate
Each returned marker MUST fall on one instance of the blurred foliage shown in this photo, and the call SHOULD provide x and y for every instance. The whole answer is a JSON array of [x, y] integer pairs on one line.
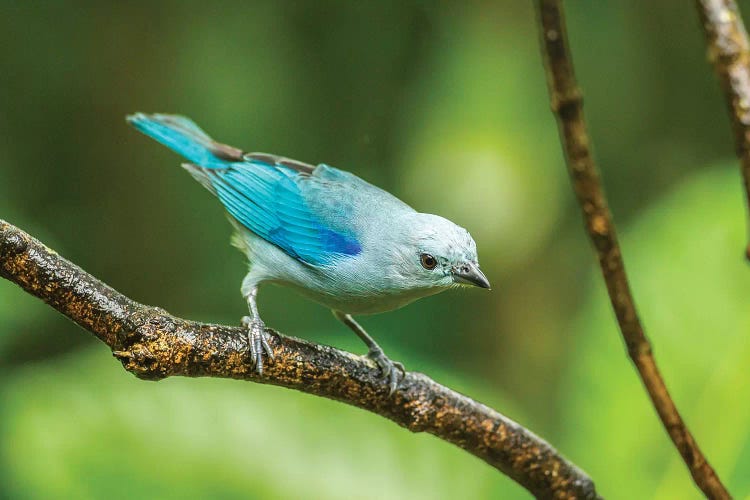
[[443, 104], [208, 438], [691, 289], [198, 438]]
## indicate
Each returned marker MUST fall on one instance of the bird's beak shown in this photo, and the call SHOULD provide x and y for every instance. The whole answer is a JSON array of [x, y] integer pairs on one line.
[[469, 273]]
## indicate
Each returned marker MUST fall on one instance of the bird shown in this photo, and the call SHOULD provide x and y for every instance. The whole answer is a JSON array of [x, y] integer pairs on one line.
[[324, 232]]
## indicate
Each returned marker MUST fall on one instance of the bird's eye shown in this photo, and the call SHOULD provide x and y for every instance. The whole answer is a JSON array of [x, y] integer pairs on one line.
[[428, 261]]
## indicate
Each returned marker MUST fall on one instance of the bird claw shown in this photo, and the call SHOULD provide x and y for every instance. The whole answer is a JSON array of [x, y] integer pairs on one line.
[[257, 339], [389, 369]]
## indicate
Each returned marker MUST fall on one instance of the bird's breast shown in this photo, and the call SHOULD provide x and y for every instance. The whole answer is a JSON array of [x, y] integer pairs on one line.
[[357, 302]]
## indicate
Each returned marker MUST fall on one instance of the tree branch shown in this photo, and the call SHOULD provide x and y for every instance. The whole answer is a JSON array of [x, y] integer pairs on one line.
[[567, 104], [729, 52], [152, 344]]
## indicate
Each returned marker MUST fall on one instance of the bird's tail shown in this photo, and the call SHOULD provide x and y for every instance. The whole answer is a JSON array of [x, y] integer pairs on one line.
[[183, 136]]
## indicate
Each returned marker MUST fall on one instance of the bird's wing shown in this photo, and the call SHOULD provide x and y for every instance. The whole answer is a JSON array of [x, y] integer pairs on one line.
[[309, 212], [182, 135], [270, 200]]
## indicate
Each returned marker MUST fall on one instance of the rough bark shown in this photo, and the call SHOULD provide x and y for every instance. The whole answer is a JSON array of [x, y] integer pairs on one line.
[[152, 344], [729, 52]]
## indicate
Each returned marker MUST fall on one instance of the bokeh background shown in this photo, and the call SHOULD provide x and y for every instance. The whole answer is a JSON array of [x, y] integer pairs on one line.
[[443, 104]]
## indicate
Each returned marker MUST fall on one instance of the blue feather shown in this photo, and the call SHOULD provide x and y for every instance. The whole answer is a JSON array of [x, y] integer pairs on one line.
[[270, 202], [180, 134], [266, 198]]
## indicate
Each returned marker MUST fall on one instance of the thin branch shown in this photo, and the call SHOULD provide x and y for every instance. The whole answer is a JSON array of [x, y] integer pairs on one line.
[[153, 344], [567, 104], [729, 51]]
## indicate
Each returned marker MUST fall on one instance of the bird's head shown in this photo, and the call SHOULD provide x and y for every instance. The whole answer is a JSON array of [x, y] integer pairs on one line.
[[440, 254]]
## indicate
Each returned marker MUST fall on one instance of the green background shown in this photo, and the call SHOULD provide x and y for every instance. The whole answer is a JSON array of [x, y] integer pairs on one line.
[[443, 104]]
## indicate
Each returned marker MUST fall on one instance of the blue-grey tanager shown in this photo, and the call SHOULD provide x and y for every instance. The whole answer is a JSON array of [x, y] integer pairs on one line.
[[326, 233]]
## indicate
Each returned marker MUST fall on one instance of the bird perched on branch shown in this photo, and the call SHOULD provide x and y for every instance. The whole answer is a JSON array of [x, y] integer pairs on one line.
[[325, 232]]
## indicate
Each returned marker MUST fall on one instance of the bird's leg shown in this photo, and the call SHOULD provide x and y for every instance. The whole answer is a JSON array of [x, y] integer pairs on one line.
[[389, 368], [256, 332]]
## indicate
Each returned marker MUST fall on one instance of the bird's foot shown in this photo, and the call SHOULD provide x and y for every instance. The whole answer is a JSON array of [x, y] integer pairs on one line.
[[389, 369], [257, 339]]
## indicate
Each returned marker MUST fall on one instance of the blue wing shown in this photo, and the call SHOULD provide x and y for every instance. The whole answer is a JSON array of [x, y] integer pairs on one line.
[[268, 200], [264, 193]]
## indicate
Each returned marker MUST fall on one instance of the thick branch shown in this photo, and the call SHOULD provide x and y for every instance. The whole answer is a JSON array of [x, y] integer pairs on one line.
[[153, 345], [729, 51], [567, 104]]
